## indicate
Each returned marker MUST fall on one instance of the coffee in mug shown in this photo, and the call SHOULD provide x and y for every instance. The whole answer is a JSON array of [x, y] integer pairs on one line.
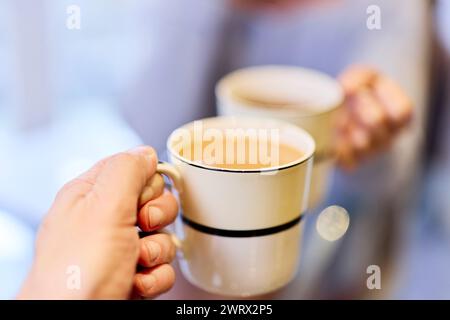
[[241, 153]]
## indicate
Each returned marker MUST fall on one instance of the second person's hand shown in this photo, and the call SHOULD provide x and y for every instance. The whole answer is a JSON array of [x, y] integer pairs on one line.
[[376, 108]]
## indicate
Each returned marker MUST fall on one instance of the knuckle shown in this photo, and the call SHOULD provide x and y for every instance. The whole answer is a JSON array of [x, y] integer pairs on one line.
[[170, 249], [156, 186], [173, 201], [157, 181], [72, 188], [140, 285], [155, 250], [170, 276]]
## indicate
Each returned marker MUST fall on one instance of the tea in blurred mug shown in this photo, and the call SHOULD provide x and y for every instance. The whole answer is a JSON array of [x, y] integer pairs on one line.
[[243, 186], [304, 97]]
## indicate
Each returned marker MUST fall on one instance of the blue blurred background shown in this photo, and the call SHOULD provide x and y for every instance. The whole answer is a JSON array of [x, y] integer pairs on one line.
[[138, 69]]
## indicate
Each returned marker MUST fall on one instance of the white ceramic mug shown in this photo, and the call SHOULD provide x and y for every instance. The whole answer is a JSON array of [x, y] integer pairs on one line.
[[239, 230], [304, 97]]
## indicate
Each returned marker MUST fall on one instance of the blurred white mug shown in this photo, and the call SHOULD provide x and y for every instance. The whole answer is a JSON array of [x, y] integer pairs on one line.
[[304, 97]]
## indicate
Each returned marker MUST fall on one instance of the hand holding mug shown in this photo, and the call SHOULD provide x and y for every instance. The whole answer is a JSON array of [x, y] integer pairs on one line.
[[376, 108], [88, 246]]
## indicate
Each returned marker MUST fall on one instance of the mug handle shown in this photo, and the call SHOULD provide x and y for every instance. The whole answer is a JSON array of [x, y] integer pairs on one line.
[[174, 175]]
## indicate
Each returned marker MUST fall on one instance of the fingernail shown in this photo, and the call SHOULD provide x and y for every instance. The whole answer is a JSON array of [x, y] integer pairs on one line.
[[156, 216], [144, 150], [136, 150], [148, 281], [149, 156], [154, 250]]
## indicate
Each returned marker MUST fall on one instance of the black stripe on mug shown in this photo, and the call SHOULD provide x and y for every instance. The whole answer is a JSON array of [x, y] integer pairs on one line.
[[241, 233]]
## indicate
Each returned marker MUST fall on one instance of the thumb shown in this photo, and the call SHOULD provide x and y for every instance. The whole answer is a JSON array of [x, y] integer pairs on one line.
[[120, 179], [125, 174]]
